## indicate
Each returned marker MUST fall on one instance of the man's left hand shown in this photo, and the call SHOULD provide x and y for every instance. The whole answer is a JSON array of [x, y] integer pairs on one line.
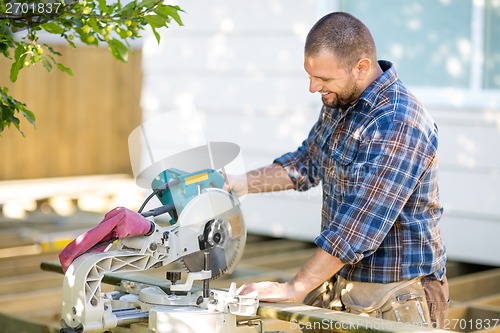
[[270, 291]]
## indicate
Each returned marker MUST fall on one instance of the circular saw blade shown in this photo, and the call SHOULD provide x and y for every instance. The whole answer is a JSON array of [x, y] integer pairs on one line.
[[224, 238], [221, 260]]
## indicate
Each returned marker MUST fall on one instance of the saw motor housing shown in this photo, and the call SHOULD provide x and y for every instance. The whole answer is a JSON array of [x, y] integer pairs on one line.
[[206, 233]]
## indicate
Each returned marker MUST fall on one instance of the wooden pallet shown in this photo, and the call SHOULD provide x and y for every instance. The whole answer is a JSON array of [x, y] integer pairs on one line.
[[31, 298]]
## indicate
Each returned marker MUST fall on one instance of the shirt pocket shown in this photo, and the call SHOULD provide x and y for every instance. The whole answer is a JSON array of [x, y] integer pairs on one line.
[[344, 165], [346, 150]]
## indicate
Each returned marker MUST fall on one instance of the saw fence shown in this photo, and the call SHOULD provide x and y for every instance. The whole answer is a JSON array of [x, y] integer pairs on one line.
[[30, 298]]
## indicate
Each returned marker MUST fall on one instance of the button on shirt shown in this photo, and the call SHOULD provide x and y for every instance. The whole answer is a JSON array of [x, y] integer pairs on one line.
[[377, 164]]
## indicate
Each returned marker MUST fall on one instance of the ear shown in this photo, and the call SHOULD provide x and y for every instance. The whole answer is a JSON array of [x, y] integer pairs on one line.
[[362, 69]]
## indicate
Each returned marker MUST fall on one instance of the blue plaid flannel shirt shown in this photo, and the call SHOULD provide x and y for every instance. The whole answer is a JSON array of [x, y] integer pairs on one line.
[[378, 166]]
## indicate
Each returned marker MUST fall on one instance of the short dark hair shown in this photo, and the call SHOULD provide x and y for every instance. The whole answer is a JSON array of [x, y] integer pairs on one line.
[[343, 35]]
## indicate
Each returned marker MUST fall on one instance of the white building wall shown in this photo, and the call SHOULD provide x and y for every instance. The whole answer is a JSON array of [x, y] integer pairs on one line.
[[470, 182], [240, 63]]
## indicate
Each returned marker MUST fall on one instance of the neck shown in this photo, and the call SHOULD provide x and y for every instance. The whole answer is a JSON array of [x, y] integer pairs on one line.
[[374, 74]]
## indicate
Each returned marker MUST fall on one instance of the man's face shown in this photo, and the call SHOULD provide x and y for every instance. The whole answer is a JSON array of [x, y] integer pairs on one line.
[[337, 85]]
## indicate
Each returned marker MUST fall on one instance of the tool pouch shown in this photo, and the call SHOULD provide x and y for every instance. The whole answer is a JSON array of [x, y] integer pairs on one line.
[[398, 301]]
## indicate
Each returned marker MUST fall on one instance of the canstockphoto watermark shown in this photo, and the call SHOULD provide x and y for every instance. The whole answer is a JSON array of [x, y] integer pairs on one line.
[[22, 14], [361, 323]]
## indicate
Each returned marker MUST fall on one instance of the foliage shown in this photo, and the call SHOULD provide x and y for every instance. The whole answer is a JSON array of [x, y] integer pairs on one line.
[[92, 22]]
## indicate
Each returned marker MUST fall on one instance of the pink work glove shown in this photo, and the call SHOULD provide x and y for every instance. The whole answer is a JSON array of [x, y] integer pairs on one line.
[[117, 224]]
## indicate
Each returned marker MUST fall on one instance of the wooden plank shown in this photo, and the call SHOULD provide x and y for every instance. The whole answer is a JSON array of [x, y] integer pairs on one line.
[[270, 247], [279, 261], [473, 319], [474, 286], [304, 316], [456, 268], [13, 266], [29, 282], [31, 301], [11, 238], [16, 324], [491, 300]]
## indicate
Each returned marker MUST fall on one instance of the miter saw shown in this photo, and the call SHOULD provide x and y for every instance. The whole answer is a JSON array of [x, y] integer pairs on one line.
[[205, 232]]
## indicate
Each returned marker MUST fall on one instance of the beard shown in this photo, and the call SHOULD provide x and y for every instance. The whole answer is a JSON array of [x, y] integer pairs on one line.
[[344, 98]]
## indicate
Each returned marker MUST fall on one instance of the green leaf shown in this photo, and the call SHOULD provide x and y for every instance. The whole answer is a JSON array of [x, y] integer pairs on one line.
[[123, 34], [19, 56], [128, 8], [103, 6], [47, 64], [52, 28], [65, 69], [118, 50], [30, 116], [77, 23], [157, 35], [92, 22], [73, 45], [167, 11], [156, 21], [4, 49], [52, 58], [14, 120], [149, 3], [52, 50], [8, 107]]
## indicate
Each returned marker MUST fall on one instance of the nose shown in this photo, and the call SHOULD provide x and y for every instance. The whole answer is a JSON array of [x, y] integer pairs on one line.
[[314, 85]]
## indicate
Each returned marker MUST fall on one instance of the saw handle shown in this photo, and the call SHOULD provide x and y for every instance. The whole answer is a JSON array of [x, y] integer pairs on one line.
[[160, 210], [158, 191]]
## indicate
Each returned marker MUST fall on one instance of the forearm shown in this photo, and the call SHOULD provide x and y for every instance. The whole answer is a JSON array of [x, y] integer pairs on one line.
[[270, 178], [319, 268]]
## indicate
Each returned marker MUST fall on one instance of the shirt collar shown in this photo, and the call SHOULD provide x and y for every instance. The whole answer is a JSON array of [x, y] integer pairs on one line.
[[388, 77]]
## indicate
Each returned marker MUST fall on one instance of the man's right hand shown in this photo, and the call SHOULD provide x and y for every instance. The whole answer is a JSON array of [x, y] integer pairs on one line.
[[237, 184]]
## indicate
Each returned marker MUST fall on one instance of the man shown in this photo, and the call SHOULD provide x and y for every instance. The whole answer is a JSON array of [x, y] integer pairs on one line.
[[374, 152]]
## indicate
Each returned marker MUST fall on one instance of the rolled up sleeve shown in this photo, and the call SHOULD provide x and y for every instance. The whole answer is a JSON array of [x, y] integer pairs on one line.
[[300, 167]]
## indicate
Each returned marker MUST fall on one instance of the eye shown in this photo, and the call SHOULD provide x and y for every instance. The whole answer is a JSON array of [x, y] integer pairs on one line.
[[322, 79]]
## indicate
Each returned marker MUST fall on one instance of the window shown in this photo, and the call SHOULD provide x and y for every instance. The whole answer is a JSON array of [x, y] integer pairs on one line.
[[438, 45], [492, 45]]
